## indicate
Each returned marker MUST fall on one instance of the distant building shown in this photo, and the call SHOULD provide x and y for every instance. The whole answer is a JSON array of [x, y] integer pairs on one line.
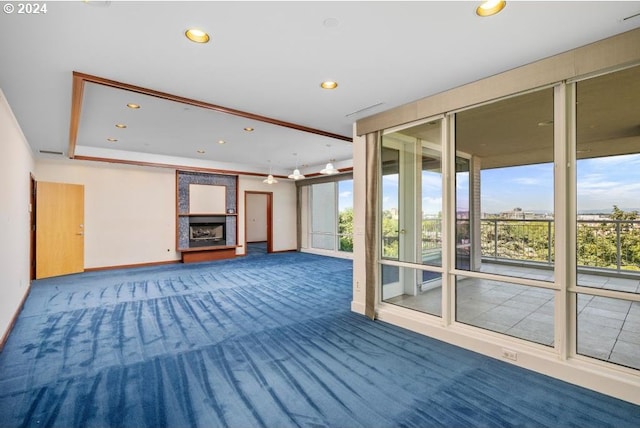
[[519, 214]]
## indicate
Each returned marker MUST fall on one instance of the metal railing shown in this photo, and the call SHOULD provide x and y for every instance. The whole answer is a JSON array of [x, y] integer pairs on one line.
[[331, 241], [515, 239], [602, 244]]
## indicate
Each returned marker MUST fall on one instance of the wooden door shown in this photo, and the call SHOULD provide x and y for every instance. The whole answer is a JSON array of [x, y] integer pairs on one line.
[[59, 229]]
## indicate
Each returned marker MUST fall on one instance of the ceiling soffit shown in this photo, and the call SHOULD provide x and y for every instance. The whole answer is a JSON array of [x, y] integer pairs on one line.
[[170, 126]]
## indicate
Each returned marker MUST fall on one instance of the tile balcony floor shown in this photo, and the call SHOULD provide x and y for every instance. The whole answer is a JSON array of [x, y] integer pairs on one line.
[[608, 329]]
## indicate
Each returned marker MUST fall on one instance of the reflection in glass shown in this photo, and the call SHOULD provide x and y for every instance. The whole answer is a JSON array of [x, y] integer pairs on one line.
[[431, 202], [609, 329], [390, 202], [463, 219], [608, 173], [508, 229], [516, 310], [323, 216], [412, 288], [412, 194], [345, 215]]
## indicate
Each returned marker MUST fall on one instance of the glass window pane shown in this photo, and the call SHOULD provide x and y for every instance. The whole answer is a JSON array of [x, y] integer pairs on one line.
[[412, 194], [515, 310], [463, 221], [509, 144], [608, 153], [345, 215], [609, 329], [390, 202], [323, 216], [412, 288], [431, 203]]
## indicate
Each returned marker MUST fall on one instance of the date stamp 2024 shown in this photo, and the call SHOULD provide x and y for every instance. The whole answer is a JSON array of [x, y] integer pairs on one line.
[[25, 8]]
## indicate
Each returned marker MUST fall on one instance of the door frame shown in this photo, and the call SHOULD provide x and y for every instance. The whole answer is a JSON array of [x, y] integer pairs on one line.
[[269, 218], [32, 226]]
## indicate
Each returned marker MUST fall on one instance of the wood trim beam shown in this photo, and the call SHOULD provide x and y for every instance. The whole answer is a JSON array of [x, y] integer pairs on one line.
[[79, 80], [192, 168], [176, 167], [77, 94]]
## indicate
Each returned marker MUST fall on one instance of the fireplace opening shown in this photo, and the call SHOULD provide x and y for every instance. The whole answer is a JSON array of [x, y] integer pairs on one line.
[[206, 234]]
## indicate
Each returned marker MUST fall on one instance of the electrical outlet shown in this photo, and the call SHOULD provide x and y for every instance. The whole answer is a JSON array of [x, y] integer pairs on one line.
[[509, 354]]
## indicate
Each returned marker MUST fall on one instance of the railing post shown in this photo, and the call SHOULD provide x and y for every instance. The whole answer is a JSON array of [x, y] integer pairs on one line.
[[618, 247], [549, 241], [495, 238]]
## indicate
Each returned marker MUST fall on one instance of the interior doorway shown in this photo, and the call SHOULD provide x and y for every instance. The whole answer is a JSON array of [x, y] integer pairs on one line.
[[258, 221]]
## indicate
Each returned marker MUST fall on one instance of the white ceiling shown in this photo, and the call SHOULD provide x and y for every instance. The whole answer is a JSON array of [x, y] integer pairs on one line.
[[268, 59]]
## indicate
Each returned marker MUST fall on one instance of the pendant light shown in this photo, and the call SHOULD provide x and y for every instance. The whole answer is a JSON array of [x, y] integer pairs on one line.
[[270, 179], [296, 172], [329, 169]]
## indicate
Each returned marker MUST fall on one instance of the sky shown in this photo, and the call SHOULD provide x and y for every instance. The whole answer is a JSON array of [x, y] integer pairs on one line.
[[608, 181], [602, 183], [345, 194]]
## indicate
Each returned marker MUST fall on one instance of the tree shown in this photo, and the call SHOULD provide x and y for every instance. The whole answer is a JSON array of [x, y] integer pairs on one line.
[[390, 228], [345, 229]]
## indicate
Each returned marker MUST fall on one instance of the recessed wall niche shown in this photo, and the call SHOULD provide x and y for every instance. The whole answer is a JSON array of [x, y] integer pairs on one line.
[[207, 198], [210, 199]]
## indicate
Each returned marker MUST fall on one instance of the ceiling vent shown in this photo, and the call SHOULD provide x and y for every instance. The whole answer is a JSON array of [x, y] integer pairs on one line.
[[50, 152]]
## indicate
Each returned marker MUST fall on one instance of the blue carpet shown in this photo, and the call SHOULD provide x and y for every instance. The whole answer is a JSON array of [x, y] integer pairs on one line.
[[256, 248], [261, 341]]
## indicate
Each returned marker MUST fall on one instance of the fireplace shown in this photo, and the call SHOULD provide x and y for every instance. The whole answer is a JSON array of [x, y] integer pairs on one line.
[[206, 233]]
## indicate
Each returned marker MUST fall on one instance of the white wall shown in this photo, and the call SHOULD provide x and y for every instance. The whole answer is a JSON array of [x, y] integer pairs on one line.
[[16, 164], [256, 217], [284, 211], [130, 211]]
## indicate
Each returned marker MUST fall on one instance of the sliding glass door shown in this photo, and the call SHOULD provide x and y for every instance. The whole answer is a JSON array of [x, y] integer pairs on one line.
[[411, 214], [607, 292], [525, 222], [505, 217]]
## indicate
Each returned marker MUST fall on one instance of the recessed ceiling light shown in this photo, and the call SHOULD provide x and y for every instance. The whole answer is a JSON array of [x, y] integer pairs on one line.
[[133, 106], [490, 7], [248, 129], [121, 125], [196, 35], [112, 140], [329, 84], [221, 142]]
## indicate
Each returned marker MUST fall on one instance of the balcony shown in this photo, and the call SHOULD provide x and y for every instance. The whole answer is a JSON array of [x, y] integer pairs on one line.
[[604, 246], [608, 328]]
